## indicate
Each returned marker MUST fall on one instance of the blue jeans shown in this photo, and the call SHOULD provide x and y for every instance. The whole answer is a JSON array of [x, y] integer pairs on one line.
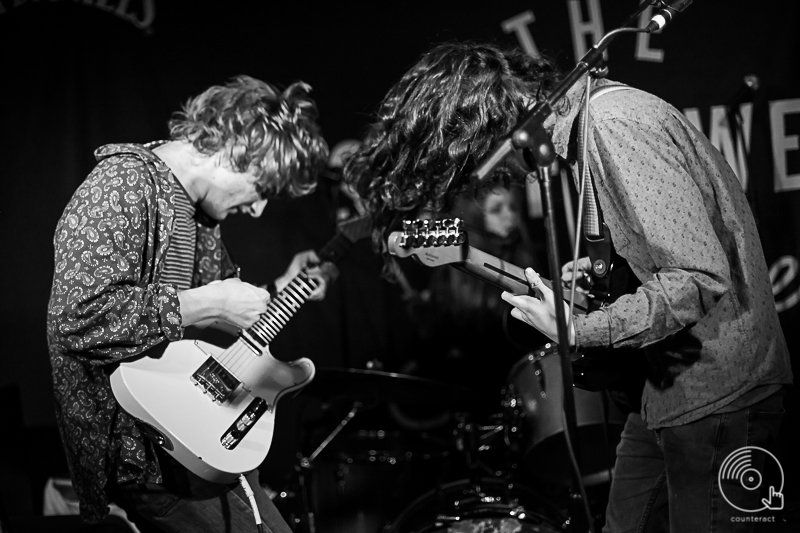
[[187, 503], [666, 480]]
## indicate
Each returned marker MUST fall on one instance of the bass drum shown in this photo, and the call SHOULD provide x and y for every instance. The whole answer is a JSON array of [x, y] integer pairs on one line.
[[488, 506], [533, 401]]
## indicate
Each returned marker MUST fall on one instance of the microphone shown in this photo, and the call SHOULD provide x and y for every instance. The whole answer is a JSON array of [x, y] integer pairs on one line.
[[666, 14], [750, 84]]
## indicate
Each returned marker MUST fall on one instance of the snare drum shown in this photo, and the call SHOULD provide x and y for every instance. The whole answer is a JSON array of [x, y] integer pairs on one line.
[[534, 394], [488, 506]]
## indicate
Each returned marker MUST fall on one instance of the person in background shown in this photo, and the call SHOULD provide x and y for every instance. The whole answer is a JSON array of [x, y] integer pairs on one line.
[[139, 258], [465, 335]]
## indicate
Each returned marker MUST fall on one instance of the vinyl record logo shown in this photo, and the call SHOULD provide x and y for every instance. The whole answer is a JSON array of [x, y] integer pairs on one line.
[[739, 469]]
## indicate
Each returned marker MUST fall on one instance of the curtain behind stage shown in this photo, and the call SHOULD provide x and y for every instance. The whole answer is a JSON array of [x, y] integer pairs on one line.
[[79, 74]]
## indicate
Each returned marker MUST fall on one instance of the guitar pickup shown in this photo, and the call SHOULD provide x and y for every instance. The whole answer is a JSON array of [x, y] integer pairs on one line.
[[242, 425], [215, 380]]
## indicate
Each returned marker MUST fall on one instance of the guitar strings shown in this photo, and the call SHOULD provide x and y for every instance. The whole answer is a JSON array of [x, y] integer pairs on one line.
[[239, 357]]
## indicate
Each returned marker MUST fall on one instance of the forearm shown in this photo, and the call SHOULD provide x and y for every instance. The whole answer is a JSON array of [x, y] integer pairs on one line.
[[198, 306], [199, 309], [670, 302], [657, 204]]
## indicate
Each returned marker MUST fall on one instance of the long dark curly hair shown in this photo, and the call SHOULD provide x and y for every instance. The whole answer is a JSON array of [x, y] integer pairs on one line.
[[438, 122]]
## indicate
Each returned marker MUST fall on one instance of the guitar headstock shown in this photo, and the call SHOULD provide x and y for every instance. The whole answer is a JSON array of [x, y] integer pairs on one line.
[[432, 242], [355, 228], [348, 232]]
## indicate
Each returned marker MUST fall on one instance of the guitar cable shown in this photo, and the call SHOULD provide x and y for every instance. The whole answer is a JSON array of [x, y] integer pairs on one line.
[[253, 505], [584, 173]]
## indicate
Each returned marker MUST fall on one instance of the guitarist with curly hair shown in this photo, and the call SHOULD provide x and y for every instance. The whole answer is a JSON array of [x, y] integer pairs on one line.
[[704, 313], [139, 258]]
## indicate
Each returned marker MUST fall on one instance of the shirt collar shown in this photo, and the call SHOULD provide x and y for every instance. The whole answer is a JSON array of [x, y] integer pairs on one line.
[[144, 151], [563, 133]]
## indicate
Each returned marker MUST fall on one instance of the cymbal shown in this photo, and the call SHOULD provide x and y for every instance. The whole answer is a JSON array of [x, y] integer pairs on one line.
[[375, 385]]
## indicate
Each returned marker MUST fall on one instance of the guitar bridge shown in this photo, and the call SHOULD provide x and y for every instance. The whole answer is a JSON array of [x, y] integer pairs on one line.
[[215, 380], [231, 438]]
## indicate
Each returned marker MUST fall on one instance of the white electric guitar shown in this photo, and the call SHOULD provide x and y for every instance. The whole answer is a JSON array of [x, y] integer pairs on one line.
[[213, 408]]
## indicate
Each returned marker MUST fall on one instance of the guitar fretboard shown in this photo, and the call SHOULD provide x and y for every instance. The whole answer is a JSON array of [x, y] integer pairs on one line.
[[282, 308]]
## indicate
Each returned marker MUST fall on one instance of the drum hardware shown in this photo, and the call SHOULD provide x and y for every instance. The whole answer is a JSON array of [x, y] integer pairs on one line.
[[338, 429], [480, 505], [305, 467], [512, 413], [378, 386], [487, 448], [357, 480]]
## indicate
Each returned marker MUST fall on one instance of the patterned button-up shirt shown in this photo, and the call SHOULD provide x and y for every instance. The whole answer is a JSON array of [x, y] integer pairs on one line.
[[705, 312], [107, 304]]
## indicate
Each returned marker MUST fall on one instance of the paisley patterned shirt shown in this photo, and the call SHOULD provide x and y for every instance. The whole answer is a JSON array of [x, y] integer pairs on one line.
[[704, 314], [107, 304]]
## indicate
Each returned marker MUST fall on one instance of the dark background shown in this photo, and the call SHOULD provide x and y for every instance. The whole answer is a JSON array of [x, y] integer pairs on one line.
[[75, 75]]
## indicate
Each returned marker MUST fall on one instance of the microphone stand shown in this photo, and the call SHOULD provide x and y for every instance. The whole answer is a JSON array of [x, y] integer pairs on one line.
[[523, 135], [537, 145]]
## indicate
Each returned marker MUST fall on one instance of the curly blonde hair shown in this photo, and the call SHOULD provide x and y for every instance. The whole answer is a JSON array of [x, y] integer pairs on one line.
[[259, 129]]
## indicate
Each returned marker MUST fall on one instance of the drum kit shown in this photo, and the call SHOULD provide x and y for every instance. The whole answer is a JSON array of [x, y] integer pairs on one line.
[[406, 454]]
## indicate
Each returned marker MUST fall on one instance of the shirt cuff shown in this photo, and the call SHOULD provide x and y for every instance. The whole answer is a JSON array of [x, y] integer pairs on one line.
[[169, 312], [592, 330]]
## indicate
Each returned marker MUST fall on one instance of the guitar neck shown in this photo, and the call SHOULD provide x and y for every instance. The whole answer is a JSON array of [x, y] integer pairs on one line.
[[282, 308], [506, 276], [287, 302]]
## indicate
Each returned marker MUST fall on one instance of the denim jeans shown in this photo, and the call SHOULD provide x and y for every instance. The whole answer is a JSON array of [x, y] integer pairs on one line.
[[666, 480], [187, 503]]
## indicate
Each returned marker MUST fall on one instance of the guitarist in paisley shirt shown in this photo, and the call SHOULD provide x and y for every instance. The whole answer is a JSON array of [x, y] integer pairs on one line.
[[704, 312], [136, 252]]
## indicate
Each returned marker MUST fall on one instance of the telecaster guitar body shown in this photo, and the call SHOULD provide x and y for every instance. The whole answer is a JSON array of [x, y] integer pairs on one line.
[[215, 440], [213, 409]]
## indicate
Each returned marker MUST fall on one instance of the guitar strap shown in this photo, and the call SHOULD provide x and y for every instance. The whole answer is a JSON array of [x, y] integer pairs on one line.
[[631, 367], [597, 237]]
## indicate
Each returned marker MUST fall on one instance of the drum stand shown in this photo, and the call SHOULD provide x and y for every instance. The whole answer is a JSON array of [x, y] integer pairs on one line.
[[471, 440], [305, 468]]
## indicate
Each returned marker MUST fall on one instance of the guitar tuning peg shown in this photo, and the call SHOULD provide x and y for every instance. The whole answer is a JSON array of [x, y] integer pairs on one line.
[[461, 237], [413, 233], [439, 232], [424, 233]]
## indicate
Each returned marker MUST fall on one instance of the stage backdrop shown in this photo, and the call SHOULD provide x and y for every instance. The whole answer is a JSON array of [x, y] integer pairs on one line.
[[76, 74]]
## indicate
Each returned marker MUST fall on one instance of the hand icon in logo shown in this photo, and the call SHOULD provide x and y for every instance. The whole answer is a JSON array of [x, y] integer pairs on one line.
[[739, 470], [775, 500]]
